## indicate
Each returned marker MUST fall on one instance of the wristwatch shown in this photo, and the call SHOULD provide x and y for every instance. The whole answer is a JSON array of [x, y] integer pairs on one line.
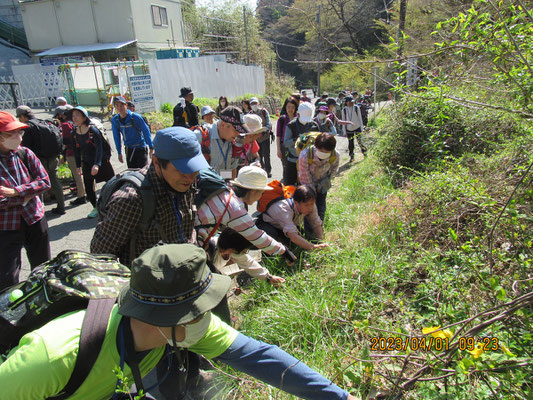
[[269, 278]]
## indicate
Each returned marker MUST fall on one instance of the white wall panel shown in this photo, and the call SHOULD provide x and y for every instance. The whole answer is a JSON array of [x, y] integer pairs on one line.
[[206, 77]]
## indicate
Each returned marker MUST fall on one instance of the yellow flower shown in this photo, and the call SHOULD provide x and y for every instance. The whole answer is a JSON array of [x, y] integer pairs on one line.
[[443, 334], [478, 350], [506, 350]]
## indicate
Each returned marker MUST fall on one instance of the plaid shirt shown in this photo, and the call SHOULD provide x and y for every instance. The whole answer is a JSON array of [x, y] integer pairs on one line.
[[14, 174], [113, 234]]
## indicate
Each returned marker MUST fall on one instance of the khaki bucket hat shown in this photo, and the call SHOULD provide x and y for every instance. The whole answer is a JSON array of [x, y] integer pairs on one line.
[[171, 285]]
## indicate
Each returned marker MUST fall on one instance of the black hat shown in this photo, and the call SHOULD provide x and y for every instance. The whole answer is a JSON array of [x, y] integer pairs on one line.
[[185, 91]]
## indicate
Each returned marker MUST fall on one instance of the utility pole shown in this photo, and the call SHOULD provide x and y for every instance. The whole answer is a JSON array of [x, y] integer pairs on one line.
[[278, 60], [246, 34], [401, 28], [375, 69], [318, 50], [401, 25]]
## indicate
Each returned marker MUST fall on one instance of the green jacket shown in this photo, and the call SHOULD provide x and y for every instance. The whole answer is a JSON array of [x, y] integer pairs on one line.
[[41, 365]]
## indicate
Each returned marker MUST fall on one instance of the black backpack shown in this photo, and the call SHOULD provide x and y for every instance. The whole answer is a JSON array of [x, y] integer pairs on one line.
[[208, 184], [144, 188], [74, 280], [50, 137]]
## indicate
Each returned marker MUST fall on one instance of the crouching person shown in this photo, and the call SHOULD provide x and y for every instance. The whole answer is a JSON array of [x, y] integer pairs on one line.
[[284, 218], [232, 247], [166, 306]]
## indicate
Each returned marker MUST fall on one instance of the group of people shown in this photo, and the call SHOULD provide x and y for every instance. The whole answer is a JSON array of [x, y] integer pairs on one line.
[[199, 210]]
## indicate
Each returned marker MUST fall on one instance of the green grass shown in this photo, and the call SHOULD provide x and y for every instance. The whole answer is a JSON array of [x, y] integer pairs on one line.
[[374, 278]]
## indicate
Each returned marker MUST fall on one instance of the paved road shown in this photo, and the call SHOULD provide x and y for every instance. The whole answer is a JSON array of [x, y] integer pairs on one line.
[[74, 230]]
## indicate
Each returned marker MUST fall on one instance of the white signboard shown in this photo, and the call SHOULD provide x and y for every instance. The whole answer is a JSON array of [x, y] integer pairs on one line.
[[142, 94], [412, 70]]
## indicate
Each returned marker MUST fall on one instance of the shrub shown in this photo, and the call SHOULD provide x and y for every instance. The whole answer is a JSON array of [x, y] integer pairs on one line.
[[166, 108], [456, 205], [421, 132]]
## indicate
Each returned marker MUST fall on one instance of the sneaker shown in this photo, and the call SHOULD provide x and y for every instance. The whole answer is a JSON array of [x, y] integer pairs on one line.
[[93, 213], [78, 201], [59, 211]]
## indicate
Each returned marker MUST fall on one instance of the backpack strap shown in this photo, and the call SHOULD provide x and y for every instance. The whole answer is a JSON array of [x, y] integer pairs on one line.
[[148, 212], [93, 331], [23, 155], [135, 126], [217, 225]]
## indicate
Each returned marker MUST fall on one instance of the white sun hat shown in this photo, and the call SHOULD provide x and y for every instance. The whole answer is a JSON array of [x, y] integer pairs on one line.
[[251, 177], [254, 123]]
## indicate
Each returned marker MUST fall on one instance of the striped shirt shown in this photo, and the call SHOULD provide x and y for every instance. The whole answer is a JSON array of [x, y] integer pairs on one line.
[[237, 218], [318, 172], [28, 183]]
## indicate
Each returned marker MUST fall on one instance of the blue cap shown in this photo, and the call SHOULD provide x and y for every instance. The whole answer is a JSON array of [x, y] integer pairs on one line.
[[181, 147]]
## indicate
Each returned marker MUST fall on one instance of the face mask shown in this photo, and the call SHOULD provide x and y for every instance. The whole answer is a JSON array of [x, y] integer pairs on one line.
[[193, 332], [12, 142], [321, 116], [322, 155], [255, 107]]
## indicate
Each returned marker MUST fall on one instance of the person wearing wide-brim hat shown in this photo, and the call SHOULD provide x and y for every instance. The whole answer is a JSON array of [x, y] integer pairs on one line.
[[186, 113], [229, 208], [92, 153], [167, 305], [170, 300]]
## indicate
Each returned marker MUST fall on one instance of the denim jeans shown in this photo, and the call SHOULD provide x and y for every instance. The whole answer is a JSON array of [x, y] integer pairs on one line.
[[272, 365]]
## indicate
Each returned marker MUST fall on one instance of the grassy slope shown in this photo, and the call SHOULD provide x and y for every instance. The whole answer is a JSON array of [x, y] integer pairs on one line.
[[365, 285]]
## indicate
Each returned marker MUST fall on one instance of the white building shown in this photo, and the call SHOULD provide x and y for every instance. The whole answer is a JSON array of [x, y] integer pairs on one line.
[[106, 29]]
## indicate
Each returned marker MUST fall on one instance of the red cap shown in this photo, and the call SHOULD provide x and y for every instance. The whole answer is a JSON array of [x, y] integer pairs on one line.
[[8, 122]]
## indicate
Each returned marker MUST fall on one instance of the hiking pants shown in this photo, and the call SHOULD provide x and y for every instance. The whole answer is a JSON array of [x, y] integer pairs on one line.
[[350, 136], [264, 155], [136, 157], [89, 182], [80, 189], [50, 165], [290, 173], [34, 238], [272, 231]]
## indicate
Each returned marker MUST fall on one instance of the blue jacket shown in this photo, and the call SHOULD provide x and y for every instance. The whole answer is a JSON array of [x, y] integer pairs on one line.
[[133, 131]]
